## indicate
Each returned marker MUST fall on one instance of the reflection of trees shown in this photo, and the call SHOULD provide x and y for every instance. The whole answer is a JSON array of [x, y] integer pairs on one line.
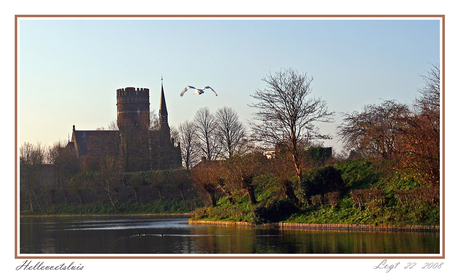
[[268, 241], [224, 240], [221, 240]]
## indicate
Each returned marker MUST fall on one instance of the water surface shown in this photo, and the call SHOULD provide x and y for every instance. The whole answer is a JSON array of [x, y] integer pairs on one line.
[[173, 235]]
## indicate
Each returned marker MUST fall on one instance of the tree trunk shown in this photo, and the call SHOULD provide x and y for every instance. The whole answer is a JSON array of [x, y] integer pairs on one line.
[[247, 182], [289, 192], [298, 168], [111, 200], [252, 196], [52, 192], [213, 199], [80, 196], [227, 192], [182, 194], [136, 196], [42, 209], [159, 194], [230, 197], [30, 202]]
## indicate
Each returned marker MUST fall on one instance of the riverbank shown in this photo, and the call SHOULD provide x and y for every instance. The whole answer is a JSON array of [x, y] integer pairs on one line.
[[166, 205], [112, 215], [277, 225], [334, 227], [352, 192]]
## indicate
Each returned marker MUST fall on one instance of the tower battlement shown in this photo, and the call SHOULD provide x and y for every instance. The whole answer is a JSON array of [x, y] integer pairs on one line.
[[132, 95]]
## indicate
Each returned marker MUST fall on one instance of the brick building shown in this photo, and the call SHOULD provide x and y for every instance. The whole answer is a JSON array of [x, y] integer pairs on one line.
[[137, 146]]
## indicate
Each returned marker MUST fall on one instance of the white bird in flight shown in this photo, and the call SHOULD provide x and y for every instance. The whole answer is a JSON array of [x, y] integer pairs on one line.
[[198, 91]]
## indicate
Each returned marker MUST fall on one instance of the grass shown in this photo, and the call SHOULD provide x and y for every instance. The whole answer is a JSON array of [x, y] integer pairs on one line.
[[130, 207], [356, 174]]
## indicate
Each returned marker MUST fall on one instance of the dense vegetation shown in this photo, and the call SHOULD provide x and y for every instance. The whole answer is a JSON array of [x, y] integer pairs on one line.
[[147, 192], [391, 174], [349, 192]]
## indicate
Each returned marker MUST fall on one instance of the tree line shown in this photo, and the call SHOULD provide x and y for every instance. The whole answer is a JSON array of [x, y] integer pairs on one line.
[[407, 135], [225, 158]]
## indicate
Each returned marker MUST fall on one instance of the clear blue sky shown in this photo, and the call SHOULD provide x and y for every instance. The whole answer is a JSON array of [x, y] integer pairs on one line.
[[69, 70]]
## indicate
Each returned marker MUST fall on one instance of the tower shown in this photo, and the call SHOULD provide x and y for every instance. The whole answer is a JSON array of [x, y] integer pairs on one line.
[[164, 153], [163, 117], [133, 119]]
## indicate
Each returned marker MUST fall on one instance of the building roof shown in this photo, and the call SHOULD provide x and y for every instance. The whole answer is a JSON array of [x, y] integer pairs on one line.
[[87, 142]]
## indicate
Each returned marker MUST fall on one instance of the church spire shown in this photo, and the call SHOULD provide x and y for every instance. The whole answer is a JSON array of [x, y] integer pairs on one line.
[[163, 110]]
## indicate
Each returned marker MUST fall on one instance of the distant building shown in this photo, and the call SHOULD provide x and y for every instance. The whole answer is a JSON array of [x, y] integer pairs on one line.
[[316, 153], [269, 154], [138, 147]]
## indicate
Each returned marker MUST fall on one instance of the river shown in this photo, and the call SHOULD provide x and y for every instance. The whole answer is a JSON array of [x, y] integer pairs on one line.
[[173, 235]]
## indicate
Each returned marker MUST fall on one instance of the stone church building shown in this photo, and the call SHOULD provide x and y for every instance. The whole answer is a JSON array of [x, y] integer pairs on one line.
[[138, 145]]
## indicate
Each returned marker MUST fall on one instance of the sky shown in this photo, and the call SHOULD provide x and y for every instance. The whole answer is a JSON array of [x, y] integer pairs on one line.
[[70, 68]]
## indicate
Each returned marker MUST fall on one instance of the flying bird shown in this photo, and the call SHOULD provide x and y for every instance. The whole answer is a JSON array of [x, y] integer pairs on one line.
[[198, 91]]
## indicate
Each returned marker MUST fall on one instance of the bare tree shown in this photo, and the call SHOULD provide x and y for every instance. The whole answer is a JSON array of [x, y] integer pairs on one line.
[[205, 178], [283, 169], [376, 130], [174, 133], [286, 114], [242, 169], [32, 159], [188, 144], [230, 130], [394, 131], [112, 125], [108, 179], [154, 120], [65, 162], [422, 131], [206, 129], [430, 93]]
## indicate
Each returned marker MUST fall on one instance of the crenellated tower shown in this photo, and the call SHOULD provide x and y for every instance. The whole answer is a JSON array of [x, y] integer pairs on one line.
[[133, 119]]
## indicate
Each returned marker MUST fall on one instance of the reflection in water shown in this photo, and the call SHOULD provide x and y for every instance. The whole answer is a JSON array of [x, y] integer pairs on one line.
[[168, 235]]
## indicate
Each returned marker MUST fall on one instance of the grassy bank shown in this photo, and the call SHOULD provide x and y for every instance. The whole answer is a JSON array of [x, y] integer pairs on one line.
[[364, 192], [165, 206]]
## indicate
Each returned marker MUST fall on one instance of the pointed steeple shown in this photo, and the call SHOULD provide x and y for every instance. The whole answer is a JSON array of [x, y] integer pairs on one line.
[[163, 110]]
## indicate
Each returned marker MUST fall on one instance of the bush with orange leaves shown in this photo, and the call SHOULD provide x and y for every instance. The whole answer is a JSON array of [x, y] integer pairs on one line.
[[205, 177]]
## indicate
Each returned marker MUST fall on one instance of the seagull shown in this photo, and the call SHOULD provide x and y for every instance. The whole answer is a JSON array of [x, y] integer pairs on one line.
[[198, 91]]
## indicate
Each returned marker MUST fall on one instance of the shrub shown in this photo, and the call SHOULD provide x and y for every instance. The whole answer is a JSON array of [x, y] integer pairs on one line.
[[316, 200], [274, 211], [368, 197], [321, 181], [332, 198], [426, 195]]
